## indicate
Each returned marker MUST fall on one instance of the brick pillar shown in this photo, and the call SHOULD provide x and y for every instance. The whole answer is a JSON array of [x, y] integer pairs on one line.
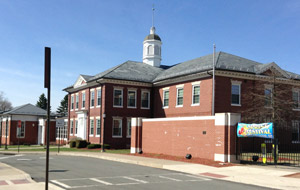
[[225, 136], [136, 135]]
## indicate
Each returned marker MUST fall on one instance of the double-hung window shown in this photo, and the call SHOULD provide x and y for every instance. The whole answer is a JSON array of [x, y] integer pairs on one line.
[[118, 97], [196, 94], [179, 99], [236, 93], [166, 98], [92, 98], [296, 99], [77, 101], [128, 131], [99, 97], [71, 127], [98, 127], [21, 130], [268, 96], [72, 102], [145, 99], [295, 131], [83, 100], [91, 126], [131, 102], [76, 127], [117, 127]]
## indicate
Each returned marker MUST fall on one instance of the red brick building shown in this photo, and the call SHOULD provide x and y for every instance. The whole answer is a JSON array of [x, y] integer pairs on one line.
[[178, 103], [33, 126]]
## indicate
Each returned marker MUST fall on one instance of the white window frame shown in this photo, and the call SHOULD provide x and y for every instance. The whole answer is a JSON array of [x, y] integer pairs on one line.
[[165, 90], [83, 100], [195, 84], [92, 91], [127, 128], [179, 87], [118, 106], [76, 127], [23, 125], [148, 92], [298, 92], [236, 83], [99, 92], [72, 102], [71, 127], [120, 127], [92, 126], [98, 119], [135, 92], [76, 101], [269, 87]]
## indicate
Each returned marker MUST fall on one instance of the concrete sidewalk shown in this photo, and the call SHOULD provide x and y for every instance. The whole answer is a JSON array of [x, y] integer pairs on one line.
[[266, 176]]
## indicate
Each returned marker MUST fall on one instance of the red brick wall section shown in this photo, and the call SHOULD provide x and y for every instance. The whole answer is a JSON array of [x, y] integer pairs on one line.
[[31, 133], [187, 110], [179, 138]]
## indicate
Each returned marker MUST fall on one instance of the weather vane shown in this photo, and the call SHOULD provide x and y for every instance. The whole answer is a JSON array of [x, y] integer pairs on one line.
[[153, 15]]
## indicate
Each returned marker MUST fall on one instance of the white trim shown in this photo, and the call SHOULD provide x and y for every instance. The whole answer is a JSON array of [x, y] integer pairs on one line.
[[195, 84], [180, 118], [178, 88], [92, 91], [236, 83], [147, 91], [163, 106], [225, 157], [135, 97], [83, 104], [166, 88], [99, 89], [117, 106], [121, 123], [128, 119], [98, 118]]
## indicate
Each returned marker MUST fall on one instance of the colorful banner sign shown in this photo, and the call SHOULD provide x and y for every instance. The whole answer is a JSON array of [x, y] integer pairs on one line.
[[262, 130]]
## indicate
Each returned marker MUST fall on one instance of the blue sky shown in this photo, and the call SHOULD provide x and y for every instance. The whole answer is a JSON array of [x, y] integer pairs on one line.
[[90, 36]]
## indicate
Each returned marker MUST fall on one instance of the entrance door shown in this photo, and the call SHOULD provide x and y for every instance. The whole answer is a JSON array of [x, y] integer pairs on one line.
[[41, 134], [82, 126]]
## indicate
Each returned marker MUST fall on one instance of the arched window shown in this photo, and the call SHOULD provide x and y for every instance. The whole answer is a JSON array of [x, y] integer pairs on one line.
[[156, 50], [150, 50]]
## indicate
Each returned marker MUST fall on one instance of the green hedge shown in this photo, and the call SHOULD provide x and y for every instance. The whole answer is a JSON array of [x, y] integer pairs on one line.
[[92, 146], [72, 144], [81, 143]]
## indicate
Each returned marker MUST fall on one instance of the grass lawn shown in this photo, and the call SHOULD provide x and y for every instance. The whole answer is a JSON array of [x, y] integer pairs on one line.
[[53, 148]]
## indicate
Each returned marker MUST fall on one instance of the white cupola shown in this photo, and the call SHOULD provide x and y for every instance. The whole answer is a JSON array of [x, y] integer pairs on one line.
[[152, 49]]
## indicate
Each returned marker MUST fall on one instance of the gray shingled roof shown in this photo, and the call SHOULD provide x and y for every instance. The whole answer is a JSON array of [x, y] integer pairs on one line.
[[130, 70], [141, 72], [86, 77], [27, 109]]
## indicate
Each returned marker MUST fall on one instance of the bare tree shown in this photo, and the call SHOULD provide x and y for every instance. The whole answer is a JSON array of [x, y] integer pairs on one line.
[[5, 104]]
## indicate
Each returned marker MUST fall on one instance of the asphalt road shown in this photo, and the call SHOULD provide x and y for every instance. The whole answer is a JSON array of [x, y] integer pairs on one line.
[[70, 172]]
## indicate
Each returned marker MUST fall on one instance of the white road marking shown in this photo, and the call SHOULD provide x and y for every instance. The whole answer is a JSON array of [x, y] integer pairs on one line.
[[45, 158], [101, 181], [127, 183], [173, 179], [202, 178], [9, 182], [2, 158], [24, 159], [61, 184], [133, 179]]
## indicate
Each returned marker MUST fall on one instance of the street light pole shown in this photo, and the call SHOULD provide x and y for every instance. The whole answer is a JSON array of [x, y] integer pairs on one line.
[[6, 131]]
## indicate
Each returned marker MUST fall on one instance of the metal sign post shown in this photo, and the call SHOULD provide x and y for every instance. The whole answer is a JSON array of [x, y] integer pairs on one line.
[[19, 127], [59, 125], [47, 85]]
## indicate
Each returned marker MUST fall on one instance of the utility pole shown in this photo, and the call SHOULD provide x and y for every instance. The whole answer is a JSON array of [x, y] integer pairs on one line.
[[47, 85]]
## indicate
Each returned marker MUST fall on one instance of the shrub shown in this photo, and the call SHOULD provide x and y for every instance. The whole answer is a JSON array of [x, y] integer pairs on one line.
[[72, 144], [81, 143], [92, 146], [106, 146]]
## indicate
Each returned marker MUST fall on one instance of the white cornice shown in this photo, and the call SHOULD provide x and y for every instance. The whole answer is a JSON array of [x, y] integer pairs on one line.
[[125, 82]]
